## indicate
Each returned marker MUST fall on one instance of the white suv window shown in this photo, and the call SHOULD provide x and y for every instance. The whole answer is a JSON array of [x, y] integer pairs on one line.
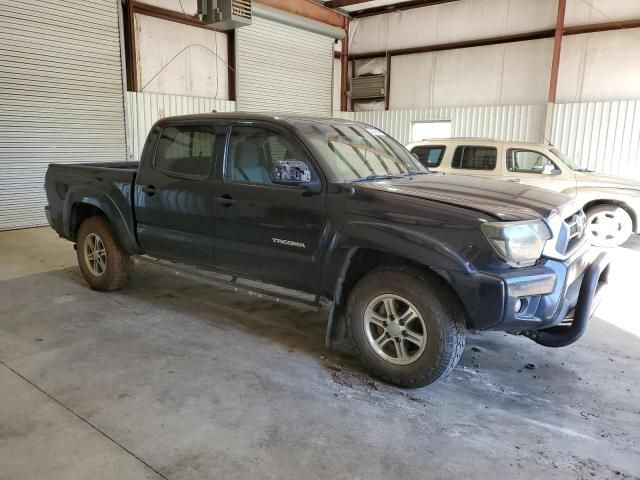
[[471, 157], [429, 155], [527, 161]]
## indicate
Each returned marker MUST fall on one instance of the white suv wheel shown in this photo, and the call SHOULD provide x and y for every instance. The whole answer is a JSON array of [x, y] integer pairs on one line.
[[608, 225]]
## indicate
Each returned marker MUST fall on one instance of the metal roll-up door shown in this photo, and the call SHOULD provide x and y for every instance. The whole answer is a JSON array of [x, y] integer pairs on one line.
[[61, 96], [283, 69]]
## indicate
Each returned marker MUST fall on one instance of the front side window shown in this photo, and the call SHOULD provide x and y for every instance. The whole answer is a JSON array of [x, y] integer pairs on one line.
[[186, 150], [429, 155], [470, 157], [528, 161], [253, 151], [355, 151]]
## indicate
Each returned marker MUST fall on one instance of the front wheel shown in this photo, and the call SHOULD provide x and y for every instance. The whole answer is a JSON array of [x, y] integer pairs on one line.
[[406, 325], [608, 225], [103, 262]]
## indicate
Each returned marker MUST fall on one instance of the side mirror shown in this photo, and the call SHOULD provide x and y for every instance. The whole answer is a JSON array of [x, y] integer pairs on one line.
[[294, 173], [549, 169]]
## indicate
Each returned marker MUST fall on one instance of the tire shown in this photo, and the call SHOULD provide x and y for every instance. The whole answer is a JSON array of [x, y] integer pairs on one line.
[[114, 266], [608, 225], [441, 318]]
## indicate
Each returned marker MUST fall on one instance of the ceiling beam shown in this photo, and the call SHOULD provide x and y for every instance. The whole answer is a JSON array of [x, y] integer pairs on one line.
[[517, 37], [394, 7], [304, 8], [343, 3], [602, 27], [309, 9]]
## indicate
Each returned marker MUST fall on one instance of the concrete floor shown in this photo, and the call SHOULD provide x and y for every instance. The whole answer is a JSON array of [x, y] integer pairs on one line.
[[172, 378]]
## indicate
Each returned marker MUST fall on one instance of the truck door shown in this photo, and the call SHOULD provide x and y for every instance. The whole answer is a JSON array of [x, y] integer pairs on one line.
[[263, 230], [173, 194], [532, 167]]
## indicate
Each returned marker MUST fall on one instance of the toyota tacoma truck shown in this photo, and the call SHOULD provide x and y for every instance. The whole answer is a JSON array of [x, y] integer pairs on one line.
[[409, 260]]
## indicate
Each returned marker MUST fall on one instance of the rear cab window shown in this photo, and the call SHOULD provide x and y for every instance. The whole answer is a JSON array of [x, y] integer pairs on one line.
[[429, 156], [474, 157], [186, 150]]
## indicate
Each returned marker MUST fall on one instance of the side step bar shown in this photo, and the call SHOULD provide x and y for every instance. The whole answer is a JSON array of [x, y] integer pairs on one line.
[[239, 284]]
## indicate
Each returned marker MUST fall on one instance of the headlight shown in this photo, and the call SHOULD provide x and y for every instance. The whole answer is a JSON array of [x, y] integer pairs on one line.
[[520, 244]]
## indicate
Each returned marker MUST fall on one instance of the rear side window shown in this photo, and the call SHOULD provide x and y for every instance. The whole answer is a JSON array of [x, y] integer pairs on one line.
[[186, 150], [470, 157], [429, 155]]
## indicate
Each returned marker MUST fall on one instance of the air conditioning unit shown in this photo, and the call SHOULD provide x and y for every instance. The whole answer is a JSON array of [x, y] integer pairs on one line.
[[225, 14], [368, 87]]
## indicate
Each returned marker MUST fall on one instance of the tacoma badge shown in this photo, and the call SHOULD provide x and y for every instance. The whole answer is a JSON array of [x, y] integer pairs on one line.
[[290, 243]]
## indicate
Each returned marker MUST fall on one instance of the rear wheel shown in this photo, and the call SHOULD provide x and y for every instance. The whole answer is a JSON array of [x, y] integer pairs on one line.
[[406, 326], [608, 225], [103, 262]]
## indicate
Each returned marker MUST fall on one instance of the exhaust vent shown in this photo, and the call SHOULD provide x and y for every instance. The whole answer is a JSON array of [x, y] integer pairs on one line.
[[368, 87], [225, 14]]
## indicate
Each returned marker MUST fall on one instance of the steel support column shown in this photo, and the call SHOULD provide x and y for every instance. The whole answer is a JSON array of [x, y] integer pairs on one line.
[[557, 47], [344, 69]]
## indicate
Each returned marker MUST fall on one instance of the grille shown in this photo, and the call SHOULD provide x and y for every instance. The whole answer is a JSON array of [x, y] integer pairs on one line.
[[241, 8], [575, 227]]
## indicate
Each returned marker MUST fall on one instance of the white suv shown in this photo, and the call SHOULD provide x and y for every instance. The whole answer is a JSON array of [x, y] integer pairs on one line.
[[612, 204]]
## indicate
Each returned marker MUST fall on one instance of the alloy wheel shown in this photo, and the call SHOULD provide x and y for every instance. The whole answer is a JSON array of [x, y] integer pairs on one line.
[[394, 329], [95, 255]]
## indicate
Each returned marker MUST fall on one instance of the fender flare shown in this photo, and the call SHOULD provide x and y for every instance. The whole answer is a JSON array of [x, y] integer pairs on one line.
[[401, 242], [121, 219]]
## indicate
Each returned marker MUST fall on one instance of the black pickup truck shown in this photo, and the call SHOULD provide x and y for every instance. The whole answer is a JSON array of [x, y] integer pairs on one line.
[[409, 259]]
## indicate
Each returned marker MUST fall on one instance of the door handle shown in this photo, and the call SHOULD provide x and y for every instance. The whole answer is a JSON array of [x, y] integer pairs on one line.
[[226, 200], [149, 189], [514, 180]]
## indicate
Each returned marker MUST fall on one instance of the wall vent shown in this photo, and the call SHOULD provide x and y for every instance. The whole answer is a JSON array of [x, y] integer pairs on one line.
[[368, 87], [225, 14]]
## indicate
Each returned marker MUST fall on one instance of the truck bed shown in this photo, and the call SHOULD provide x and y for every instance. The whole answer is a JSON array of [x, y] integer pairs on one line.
[[109, 185]]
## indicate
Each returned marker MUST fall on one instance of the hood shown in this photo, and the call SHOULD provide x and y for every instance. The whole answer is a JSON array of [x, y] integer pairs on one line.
[[597, 180], [502, 200]]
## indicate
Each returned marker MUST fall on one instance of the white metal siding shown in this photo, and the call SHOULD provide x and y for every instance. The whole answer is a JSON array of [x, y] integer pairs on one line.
[[509, 122], [61, 96], [602, 136], [144, 109], [282, 69]]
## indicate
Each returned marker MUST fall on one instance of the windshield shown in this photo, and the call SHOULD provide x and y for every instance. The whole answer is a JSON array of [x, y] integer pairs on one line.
[[567, 161], [359, 152]]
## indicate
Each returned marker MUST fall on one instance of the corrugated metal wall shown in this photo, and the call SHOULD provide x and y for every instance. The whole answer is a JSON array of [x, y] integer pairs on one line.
[[144, 109], [61, 97], [510, 122], [602, 136], [283, 69]]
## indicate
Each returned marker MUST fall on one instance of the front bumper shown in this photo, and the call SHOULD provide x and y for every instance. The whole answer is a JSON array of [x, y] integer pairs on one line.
[[534, 298]]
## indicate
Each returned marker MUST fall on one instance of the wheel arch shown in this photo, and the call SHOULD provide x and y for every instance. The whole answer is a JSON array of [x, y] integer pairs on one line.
[[618, 203], [358, 262], [80, 211], [80, 205]]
